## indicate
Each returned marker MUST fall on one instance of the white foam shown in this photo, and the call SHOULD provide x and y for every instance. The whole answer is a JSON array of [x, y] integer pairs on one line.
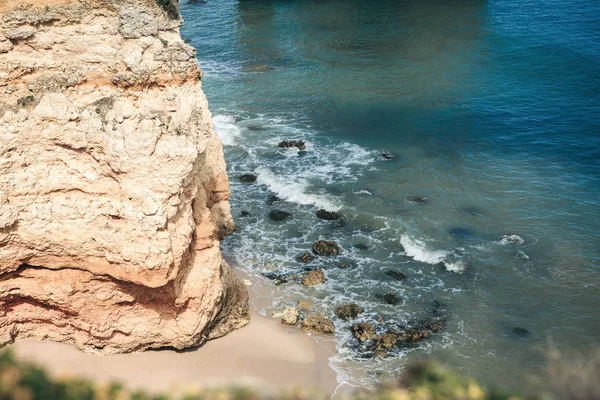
[[294, 190], [226, 129], [458, 266], [522, 255], [365, 192], [418, 251], [512, 239]]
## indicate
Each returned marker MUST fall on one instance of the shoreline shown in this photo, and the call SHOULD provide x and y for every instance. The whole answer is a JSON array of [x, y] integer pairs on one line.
[[264, 355]]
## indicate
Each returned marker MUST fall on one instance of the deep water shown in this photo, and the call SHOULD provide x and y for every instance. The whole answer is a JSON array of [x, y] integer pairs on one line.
[[490, 113]]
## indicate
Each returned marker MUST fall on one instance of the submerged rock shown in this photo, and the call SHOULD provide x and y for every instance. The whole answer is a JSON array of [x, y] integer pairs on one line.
[[326, 248], [417, 199], [395, 275], [391, 298], [248, 178], [314, 277], [278, 215], [435, 325], [328, 215], [272, 199], [461, 232], [289, 316], [348, 311], [520, 332], [244, 214], [317, 323], [304, 305], [305, 257], [437, 308], [286, 144], [363, 331], [278, 279], [361, 246], [387, 156]]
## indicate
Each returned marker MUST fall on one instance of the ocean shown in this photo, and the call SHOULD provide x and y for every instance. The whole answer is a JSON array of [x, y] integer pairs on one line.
[[458, 140]]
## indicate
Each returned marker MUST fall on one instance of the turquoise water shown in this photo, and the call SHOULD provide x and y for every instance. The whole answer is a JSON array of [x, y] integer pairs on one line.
[[491, 112]]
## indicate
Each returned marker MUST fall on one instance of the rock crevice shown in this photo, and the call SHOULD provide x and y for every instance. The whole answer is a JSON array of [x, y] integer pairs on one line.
[[113, 190]]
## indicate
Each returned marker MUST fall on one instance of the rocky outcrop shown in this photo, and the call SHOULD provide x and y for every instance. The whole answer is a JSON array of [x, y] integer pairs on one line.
[[113, 190]]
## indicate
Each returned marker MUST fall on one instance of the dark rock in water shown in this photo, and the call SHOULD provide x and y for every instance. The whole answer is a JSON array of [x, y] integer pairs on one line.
[[384, 341], [305, 257], [272, 199], [412, 336], [278, 279], [328, 215], [245, 214], [314, 277], [348, 311], [391, 298], [437, 309], [326, 248], [361, 246], [461, 233], [248, 178], [318, 323], [387, 156], [278, 215], [379, 354], [287, 144], [417, 199], [395, 275], [363, 331], [520, 332], [434, 324]]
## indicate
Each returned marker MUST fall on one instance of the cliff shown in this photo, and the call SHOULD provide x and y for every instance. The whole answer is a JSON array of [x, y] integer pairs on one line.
[[113, 190]]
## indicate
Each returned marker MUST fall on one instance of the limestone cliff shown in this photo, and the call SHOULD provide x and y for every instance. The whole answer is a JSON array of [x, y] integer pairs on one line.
[[113, 190]]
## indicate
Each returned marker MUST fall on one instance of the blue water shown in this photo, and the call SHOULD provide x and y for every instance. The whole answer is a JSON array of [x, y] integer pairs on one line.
[[491, 111]]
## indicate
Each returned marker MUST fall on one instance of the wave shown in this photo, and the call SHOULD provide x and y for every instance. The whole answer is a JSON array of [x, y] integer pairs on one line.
[[294, 190], [226, 130], [418, 251], [512, 239]]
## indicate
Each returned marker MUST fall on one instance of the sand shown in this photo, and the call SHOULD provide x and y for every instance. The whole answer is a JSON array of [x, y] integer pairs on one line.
[[264, 354]]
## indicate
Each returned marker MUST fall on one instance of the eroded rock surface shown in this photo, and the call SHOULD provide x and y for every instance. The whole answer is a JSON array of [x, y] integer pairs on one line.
[[113, 190]]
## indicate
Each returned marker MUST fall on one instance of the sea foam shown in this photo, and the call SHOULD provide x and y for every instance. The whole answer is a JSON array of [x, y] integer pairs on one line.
[[226, 129], [294, 190], [417, 249]]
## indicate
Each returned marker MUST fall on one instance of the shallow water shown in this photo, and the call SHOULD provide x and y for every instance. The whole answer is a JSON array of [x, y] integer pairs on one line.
[[490, 203]]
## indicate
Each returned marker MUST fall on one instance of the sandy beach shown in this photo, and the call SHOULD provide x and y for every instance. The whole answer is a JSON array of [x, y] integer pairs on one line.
[[265, 354]]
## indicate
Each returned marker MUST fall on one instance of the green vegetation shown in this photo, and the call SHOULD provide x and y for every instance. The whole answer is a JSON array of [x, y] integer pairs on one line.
[[25, 101], [26, 381], [570, 379]]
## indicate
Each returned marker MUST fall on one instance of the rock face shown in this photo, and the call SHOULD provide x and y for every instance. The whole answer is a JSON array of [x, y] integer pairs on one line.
[[326, 248], [363, 331], [348, 311], [317, 323], [314, 277], [113, 190]]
